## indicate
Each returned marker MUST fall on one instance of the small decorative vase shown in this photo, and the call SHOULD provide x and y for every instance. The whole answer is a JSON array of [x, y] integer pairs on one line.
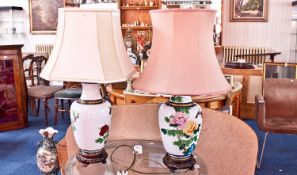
[[180, 122], [90, 120], [47, 157]]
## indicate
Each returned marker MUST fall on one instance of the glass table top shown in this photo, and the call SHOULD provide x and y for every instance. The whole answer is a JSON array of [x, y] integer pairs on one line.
[[121, 158]]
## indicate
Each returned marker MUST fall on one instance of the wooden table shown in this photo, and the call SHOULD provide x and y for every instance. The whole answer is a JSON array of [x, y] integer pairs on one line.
[[118, 97], [247, 106]]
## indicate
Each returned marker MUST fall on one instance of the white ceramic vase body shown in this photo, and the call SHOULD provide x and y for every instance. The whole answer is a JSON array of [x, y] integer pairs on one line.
[[90, 122], [180, 122]]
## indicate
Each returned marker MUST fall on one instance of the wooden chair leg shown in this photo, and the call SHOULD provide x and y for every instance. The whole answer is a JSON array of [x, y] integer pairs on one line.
[[69, 104], [45, 111], [38, 106], [56, 110], [62, 107], [32, 105]]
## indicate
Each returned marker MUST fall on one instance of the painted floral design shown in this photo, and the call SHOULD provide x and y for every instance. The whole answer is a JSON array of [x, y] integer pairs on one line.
[[184, 129], [47, 161], [179, 120], [176, 99], [75, 116], [190, 128], [103, 134], [104, 130]]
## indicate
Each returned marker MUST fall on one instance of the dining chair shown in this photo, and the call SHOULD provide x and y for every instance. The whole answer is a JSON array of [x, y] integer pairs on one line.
[[70, 93], [37, 88], [232, 104]]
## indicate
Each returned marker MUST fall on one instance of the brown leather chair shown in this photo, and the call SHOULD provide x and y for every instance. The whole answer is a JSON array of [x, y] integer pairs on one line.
[[276, 110]]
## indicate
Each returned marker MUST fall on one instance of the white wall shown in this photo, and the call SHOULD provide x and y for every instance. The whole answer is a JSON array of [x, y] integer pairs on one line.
[[27, 39], [274, 34]]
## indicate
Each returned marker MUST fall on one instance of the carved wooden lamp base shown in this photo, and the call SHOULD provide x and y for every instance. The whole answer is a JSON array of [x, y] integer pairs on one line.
[[174, 163], [87, 157]]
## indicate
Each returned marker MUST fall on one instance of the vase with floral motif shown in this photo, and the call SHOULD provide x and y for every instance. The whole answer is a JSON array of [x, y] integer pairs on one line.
[[180, 122], [47, 157], [90, 121]]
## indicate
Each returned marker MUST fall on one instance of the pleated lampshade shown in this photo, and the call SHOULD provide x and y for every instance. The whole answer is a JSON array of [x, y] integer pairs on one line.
[[182, 59], [89, 47]]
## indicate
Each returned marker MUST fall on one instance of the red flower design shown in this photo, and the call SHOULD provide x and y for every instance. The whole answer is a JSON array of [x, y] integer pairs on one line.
[[104, 130]]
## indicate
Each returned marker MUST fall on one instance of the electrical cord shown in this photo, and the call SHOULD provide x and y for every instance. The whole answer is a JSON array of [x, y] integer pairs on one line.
[[134, 161], [134, 155]]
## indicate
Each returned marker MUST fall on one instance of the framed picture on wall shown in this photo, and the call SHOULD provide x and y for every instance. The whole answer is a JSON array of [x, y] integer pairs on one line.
[[249, 10], [280, 70], [44, 16]]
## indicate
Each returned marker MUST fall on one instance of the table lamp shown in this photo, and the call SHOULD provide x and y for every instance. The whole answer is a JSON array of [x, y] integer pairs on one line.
[[89, 49], [182, 63]]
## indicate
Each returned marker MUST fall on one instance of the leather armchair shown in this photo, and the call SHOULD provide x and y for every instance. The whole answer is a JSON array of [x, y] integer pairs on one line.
[[276, 110]]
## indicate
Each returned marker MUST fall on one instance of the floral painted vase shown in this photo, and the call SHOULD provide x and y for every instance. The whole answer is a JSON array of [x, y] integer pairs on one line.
[[90, 121], [47, 157], [180, 124]]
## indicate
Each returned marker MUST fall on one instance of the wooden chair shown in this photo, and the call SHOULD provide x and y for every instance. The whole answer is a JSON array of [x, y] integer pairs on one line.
[[71, 92], [233, 99], [37, 88]]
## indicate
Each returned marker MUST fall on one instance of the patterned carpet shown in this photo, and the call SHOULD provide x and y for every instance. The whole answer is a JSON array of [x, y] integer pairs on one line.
[[18, 148]]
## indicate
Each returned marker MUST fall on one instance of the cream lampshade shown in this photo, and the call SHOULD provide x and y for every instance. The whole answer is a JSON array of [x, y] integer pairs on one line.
[[89, 48], [182, 63]]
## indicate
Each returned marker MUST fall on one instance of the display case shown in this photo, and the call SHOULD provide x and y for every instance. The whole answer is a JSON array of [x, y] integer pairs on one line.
[[13, 102], [11, 24]]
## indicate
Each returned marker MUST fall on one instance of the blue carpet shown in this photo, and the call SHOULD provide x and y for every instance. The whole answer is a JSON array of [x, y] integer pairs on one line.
[[280, 155], [18, 148]]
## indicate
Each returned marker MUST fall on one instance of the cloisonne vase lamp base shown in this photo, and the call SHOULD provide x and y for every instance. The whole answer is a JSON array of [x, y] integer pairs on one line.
[[180, 122], [90, 39], [90, 121]]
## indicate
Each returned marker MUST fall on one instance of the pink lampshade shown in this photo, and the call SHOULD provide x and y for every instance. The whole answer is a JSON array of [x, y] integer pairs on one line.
[[89, 47], [182, 59]]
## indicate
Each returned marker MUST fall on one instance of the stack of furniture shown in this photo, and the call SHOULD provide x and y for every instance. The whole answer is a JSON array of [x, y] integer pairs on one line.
[[251, 80], [216, 102]]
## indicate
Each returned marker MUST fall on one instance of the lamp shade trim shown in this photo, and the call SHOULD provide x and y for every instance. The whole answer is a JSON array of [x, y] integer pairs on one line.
[[182, 10]]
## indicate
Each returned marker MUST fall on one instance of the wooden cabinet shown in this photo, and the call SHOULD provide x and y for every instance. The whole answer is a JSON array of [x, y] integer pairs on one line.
[[135, 14], [13, 102]]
